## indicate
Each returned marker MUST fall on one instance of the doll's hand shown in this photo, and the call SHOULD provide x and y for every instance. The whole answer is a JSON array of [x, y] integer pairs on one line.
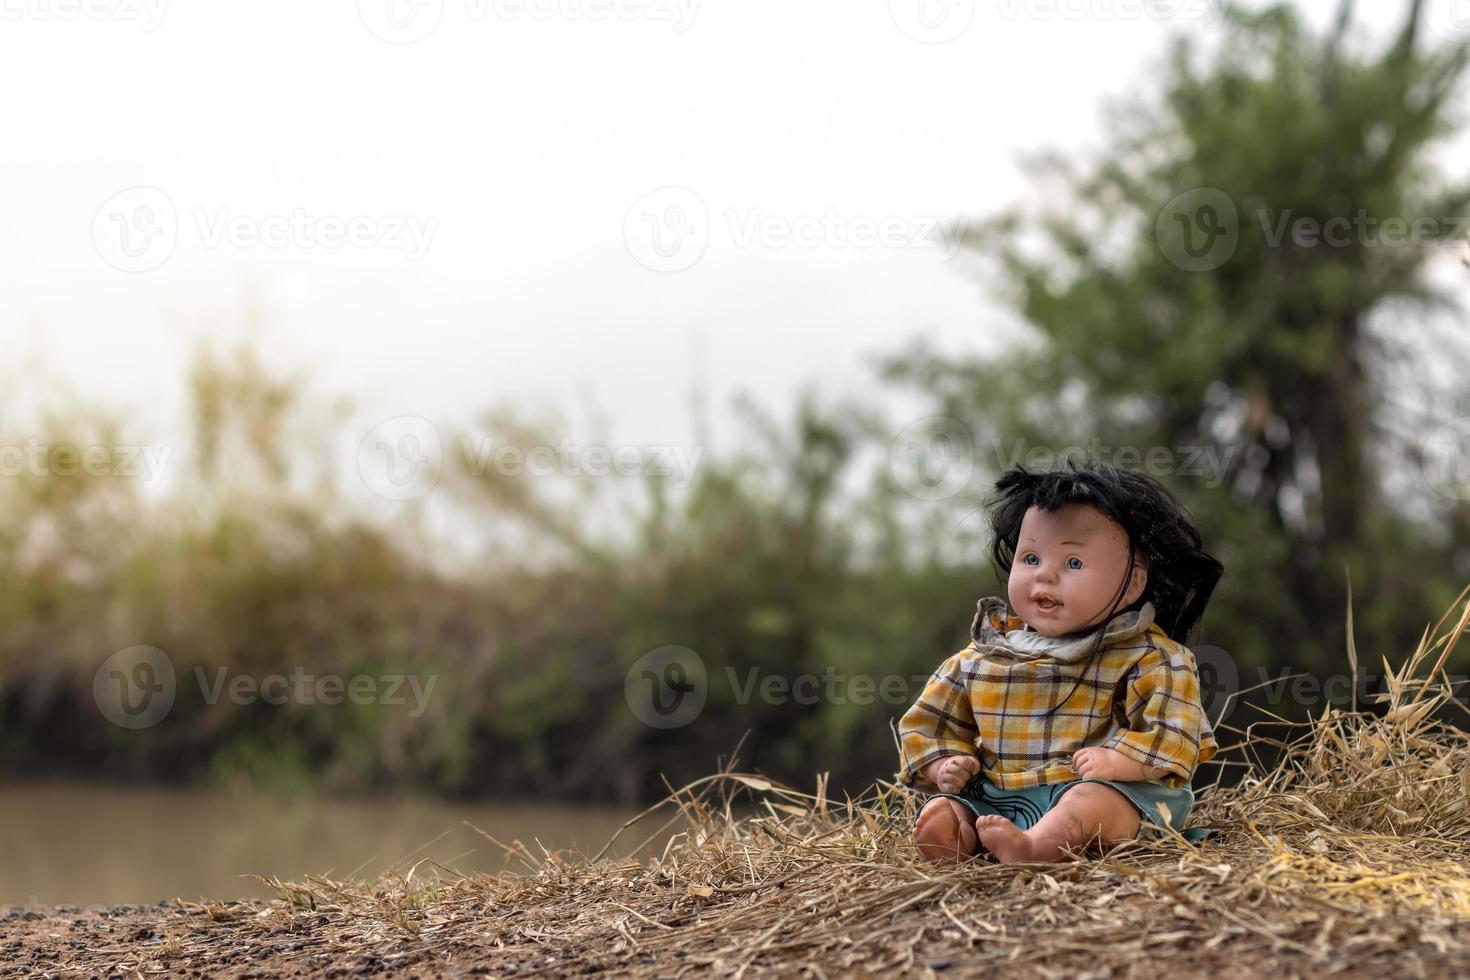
[[1099, 762], [952, 772]]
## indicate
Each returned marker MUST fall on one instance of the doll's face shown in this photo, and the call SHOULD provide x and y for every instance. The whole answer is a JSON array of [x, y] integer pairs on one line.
[[1069, 565]]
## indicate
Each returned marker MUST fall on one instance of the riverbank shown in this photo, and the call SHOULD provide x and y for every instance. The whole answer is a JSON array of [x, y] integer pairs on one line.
[[102, 845], [1351, 858]]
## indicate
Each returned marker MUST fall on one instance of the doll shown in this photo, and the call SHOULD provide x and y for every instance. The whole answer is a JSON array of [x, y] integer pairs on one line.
[[1075, 712]]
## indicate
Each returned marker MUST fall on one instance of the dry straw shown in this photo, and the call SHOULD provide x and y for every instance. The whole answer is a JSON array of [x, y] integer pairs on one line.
[[1350, 856]]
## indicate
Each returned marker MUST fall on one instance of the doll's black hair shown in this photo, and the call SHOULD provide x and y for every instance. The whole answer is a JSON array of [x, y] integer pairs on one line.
[[1161, 533], [1181, 576]]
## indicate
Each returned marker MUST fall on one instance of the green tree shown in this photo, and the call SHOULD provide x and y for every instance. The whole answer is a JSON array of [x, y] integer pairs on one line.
[[1176, 298]]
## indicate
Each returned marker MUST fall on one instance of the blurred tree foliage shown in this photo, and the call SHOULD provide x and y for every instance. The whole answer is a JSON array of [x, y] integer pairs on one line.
[[1292, 387], [1243, 283]]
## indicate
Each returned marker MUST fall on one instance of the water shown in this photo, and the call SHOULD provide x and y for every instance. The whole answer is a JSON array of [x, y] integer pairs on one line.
[[86, 845]]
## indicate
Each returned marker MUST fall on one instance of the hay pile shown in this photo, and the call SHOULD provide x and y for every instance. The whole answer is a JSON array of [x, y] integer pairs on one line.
[[1353, 857]]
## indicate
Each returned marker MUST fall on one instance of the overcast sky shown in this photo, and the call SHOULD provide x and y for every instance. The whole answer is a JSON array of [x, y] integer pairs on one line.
[[514, 177]]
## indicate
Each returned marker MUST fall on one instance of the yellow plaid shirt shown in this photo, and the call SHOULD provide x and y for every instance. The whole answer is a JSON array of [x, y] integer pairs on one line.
[[1140, 696]]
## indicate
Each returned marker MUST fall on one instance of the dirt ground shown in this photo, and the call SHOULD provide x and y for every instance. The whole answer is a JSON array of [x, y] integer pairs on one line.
[[269, 940]]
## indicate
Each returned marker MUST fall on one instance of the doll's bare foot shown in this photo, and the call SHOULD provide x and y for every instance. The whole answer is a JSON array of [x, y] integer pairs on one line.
[[943, 832], [1004, 839]]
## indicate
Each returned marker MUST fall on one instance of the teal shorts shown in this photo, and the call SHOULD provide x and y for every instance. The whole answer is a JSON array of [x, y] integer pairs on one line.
[[1024, 807]]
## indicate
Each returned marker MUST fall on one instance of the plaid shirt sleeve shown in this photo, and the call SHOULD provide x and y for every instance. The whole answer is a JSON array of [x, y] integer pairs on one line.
[[1167, 726], [941, 722]]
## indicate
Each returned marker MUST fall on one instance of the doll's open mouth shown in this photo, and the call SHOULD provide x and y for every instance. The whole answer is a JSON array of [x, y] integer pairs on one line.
[[1045, 602]]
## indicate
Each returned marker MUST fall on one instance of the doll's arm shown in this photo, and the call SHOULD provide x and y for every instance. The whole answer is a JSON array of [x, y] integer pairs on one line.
[[1167, 729], [1102, 762], [951, 773], [940, 723]]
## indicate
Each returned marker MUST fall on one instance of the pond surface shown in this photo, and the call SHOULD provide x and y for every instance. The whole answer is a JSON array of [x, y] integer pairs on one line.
[[86, 845]]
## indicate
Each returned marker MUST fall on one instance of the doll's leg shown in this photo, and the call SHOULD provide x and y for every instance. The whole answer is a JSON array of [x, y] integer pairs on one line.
[[1085, 813], [944, 831]]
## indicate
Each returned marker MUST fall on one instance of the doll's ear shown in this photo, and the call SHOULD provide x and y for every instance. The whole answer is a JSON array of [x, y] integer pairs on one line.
[[1137, 581]]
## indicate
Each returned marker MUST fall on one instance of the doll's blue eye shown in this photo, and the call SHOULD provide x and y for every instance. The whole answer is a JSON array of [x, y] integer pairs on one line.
[[1027, 558], [1074, 562]]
